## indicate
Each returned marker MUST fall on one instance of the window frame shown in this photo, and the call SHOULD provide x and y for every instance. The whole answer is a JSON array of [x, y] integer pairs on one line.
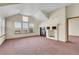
[[27, 30]]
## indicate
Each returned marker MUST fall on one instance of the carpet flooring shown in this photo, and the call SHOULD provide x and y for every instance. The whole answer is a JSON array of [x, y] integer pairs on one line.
[[39, 46]]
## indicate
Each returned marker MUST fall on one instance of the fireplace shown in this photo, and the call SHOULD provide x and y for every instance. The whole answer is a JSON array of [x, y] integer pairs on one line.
[[52, 32]]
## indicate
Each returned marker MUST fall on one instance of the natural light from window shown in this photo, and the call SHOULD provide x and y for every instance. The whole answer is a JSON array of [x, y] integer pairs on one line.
[[24, 26]]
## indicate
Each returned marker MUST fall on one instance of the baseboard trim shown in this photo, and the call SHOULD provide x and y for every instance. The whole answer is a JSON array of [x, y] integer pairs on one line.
[[23, 37], [2, 39], [73, 36]]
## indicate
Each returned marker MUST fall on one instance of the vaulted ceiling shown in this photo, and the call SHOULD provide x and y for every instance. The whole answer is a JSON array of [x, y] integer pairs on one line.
[[5, 4], [38, 10]]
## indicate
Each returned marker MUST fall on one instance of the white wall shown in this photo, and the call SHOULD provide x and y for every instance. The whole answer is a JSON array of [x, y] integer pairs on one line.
[[2, 31], [10, 29], [74, 27], [57, 17], [41, 16]]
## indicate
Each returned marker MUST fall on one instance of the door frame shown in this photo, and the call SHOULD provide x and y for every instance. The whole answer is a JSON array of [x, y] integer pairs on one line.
[[67, 27]]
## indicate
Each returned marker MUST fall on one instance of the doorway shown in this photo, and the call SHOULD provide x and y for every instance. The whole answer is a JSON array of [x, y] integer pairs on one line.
[[72, 29], [42, 31]]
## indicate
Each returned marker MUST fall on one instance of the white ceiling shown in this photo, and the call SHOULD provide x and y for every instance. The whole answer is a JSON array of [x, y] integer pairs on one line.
[[9, 10], [29, 9], [4, 4]]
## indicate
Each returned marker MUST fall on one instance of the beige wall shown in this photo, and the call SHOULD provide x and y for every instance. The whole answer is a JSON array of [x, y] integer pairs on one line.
[[72, 11], [10, 29], [57, 17], [74, 27], [36, 25]]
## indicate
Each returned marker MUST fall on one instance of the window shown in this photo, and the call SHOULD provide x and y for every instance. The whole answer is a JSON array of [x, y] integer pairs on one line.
[[17, 27], [25, 19], [2, 26], [23, 26]]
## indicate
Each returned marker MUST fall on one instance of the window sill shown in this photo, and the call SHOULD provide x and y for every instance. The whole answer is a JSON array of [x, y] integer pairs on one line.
[[2, 35]]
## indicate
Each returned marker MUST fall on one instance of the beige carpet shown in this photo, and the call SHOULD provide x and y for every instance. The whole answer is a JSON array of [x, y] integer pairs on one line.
[[39, 46]]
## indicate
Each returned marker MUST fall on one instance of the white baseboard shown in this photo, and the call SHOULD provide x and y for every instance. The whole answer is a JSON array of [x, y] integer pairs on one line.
[[2, 39]]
